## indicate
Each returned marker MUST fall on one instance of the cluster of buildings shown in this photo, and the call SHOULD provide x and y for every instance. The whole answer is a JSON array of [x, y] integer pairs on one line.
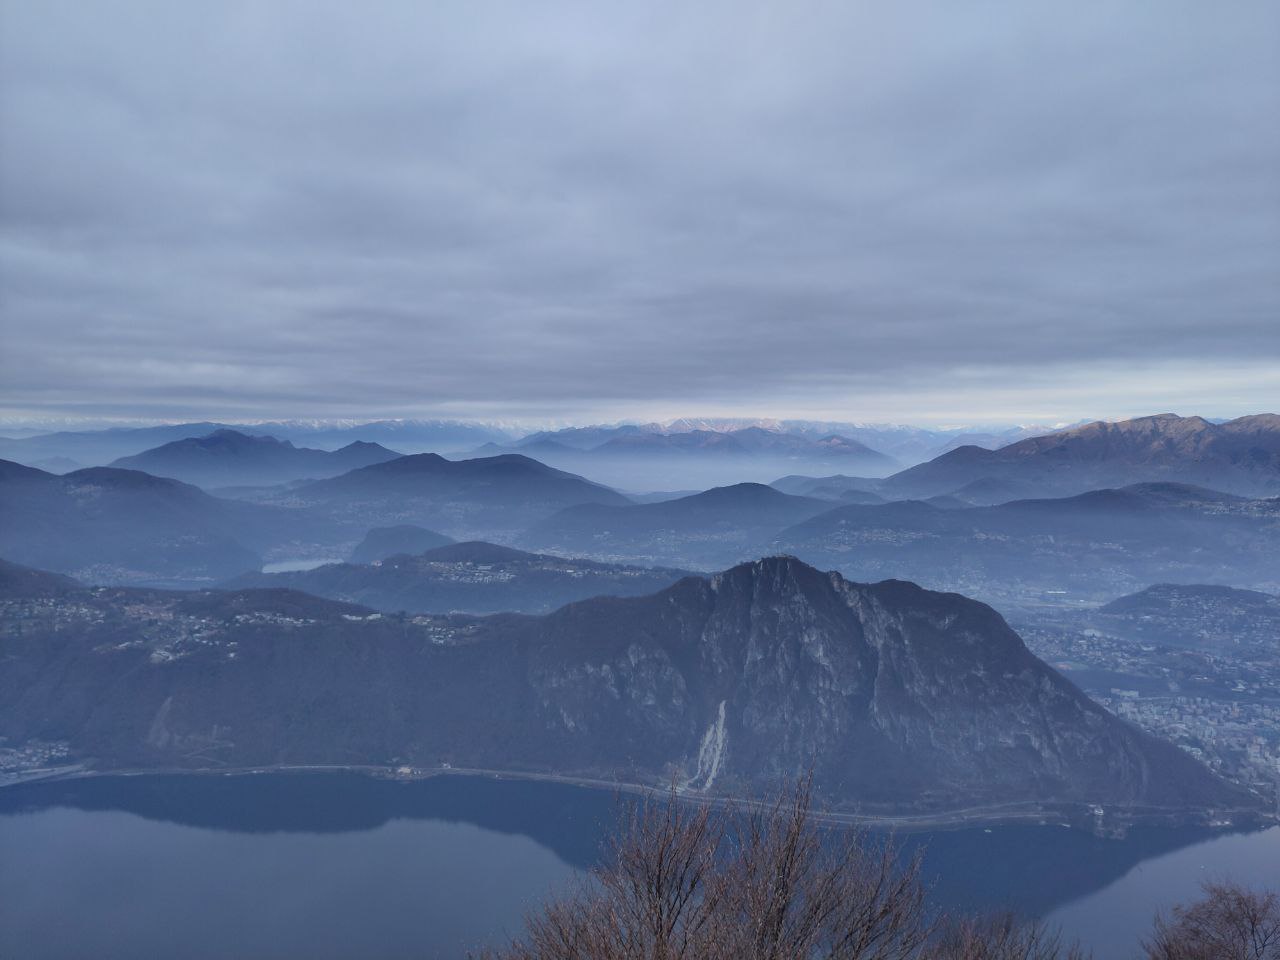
[[1241, 741], [1222, 706]]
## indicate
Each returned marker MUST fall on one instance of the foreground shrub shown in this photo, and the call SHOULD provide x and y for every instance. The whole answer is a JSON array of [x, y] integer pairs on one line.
[[690, 882], [685, 882], [1229, 923]]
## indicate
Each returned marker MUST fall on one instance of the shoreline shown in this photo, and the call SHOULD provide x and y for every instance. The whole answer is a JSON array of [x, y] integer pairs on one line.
[[1100, 819]]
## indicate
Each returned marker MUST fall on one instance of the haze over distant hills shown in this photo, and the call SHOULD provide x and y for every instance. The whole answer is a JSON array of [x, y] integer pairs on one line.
[[470, 577], [980, 466], [839, 488], [101, 447], [1087, 546], [649, 457], [382, 542], [714, 528], [905, 444], [1082, 547], [112, 526], [228, 458], [678, 454], [486, 497], [1240, 456], [897, 699], [1141, 535], [125, 526]]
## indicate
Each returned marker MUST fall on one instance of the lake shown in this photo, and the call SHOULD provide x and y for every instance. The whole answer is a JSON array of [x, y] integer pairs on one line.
[[298, 566], [342, 865]]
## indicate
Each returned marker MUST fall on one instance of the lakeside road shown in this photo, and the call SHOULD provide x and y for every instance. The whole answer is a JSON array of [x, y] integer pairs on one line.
[[1104, 820]]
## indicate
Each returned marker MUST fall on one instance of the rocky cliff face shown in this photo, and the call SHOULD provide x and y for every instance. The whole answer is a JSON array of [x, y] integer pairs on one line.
[[896, 698], [889, 693]]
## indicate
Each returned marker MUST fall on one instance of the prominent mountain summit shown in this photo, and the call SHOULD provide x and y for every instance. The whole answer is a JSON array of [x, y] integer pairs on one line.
[[226, 458], [890, 693], [1240, 456], [898, 700]]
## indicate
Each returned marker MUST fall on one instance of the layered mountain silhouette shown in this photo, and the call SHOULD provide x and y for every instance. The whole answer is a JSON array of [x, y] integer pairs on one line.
[[840, 488], [1088, 545], [101, 447], [228, 458], [123, 526], [485, 497], [898, 700], [712, 528], [1240, 456], [382, 542], [112, 525], [471, 577], [644, 458]]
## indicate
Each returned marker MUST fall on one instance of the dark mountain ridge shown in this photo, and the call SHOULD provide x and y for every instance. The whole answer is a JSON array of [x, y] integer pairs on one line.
[[1240, 456], [899, 700], [108, 525], [486, 498], [100, 447], [228, 458], [1087, 545]]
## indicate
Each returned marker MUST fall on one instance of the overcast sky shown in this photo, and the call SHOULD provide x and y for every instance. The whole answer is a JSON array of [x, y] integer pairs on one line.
[[858, 210]]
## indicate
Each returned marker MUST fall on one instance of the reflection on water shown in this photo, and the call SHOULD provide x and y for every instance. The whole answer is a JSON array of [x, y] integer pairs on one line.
[[340, 865], [1121, 912]]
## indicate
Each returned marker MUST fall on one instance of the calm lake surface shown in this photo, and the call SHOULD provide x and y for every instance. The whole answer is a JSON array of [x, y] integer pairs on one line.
[[340, 865], [298, 566]]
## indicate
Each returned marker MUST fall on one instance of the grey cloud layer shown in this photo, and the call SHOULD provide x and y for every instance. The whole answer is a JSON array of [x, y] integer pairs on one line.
[[382, 208]]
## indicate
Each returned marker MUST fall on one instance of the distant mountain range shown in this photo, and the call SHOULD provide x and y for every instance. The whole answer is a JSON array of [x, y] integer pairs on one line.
[[1135, 534], [646, 458], [678, 454], [1240, 456], [228, 458], [898, 700], [977, 466], [122, 526], [1086, 546], [1082, 547], [709, 529], [113, 525], [471, 577], [101, 447], [904, 444]]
